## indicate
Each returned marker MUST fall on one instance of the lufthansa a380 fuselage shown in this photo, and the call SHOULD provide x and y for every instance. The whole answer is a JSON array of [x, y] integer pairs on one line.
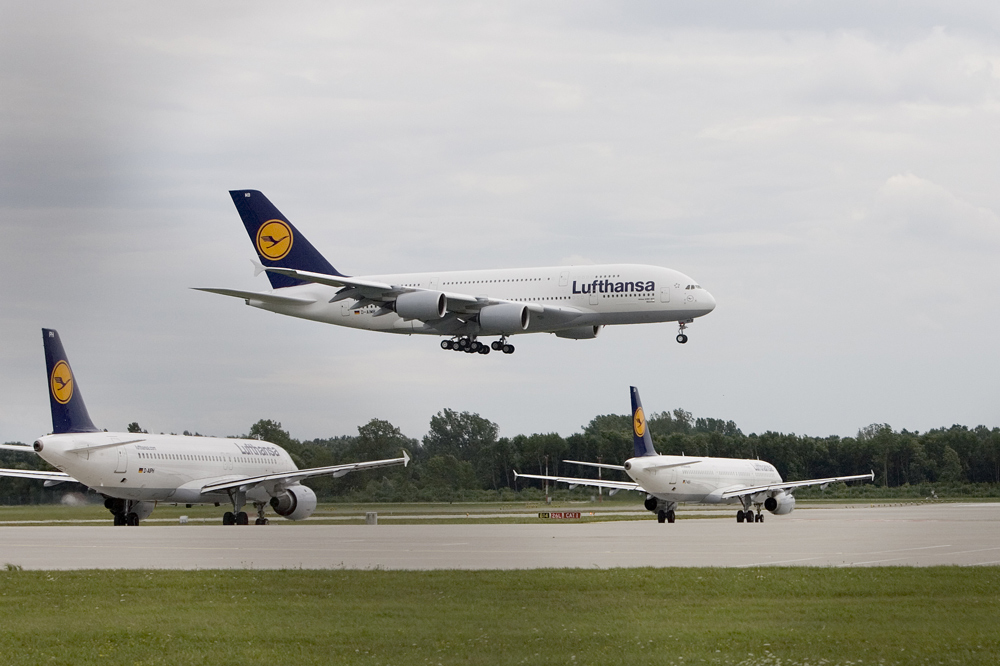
[[570, 301], [600, 295]]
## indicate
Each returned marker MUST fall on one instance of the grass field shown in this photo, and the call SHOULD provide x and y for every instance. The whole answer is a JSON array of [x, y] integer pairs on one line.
[[758, 617]]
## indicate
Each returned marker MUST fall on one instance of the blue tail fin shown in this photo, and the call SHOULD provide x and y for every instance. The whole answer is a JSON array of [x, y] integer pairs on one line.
[[641, 438], [277, 242], [69, 414]]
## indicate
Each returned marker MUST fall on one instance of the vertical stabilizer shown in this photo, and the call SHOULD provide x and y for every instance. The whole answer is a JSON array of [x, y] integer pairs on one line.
[[641, 438], [277, 242], [69, 414]]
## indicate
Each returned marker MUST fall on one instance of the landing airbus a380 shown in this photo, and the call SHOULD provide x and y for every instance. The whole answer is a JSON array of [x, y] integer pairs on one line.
[[134, 471], [573, 302], [669, 480]]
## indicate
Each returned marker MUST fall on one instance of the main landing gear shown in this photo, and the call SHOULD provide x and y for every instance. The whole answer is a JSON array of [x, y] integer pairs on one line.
[[238, 516], [665, 511], [747, 515], [122, 511], [681, 336], [470, 345]]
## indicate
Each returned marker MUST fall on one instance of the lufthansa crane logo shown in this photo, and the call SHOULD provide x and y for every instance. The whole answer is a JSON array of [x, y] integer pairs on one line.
[[61, 383], [274, 239], [639, 422]]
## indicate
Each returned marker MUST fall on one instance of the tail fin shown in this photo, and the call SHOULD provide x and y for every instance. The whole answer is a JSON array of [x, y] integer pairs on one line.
[[69, 414], [277, 242], [641, 438]]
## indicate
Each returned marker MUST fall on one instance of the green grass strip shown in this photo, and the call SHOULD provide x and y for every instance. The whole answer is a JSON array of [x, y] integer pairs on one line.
[[752, 617]]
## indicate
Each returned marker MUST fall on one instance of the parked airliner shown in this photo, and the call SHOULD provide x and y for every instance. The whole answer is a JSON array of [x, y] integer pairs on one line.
[[134, 471], [669, 480], [573, 302]]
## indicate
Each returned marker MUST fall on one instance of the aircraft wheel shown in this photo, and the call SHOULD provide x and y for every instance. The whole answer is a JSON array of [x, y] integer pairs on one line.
[[750, 517], [228, 518], [262, 521], [671, 516], [463, 343], [739, 516], [132, 519], [475, 346], [681, 338], [760, 517], [661, 516], [119, 519], [446, 344], [508, 349], [496, 345], [242, 518], [484, 350]]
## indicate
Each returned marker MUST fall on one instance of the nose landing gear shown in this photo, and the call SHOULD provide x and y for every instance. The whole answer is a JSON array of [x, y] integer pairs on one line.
[[681, 336]]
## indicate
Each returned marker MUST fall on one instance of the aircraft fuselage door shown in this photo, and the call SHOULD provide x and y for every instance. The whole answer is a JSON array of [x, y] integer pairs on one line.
[[433, 284], [564, 279], [122, 465], [665, 295]]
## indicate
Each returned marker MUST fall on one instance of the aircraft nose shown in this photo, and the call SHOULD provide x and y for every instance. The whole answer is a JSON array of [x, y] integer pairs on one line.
[[707, 300]]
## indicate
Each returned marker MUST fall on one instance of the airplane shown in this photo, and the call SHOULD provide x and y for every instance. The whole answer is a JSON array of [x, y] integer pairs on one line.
[[134, 471], [669, 480], [574, 302]]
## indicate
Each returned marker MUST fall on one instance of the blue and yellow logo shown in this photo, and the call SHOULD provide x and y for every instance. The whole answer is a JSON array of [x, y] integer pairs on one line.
[[61, 383], [274, 239], [639, 422]]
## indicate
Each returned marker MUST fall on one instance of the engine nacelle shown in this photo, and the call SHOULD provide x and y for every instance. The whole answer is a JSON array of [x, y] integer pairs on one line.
[[422, 305], [506, 319], [580, 333], [650, 503], [781, 504], [295, 503]]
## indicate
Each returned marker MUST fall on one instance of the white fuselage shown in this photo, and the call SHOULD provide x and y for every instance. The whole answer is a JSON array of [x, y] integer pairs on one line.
[[603, 294], [703, 481], [171, 468]]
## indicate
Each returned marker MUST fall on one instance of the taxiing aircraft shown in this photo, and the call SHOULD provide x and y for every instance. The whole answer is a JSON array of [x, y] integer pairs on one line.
[[573, 302], [669, 480], [134, 471]]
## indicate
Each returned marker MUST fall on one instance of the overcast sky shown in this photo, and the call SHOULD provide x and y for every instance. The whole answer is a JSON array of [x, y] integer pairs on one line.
[[829, 171]]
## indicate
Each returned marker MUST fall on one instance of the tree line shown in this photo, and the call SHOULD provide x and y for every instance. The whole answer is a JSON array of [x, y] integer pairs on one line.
[[462, 455]]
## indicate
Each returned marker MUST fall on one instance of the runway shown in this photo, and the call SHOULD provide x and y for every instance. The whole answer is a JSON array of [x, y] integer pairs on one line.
[[908, 535]]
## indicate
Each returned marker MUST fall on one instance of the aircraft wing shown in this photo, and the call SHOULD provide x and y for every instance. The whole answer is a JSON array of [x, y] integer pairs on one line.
[[371, 292], [58, 477], [573, 482], [287, 478], [740, 492], [271, 299]]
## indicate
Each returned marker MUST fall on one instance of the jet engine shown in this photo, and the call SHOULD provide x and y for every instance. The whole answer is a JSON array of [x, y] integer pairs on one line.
[[506, 318], [650, 503], [580, 333], [295, 503], [781, 504], [422, 305]]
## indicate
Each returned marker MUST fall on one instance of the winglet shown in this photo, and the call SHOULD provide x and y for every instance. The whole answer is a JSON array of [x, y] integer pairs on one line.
[[406, 458], [641, 439], [69, 414]]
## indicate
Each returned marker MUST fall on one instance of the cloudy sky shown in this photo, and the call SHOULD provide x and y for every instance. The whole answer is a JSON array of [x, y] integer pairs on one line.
[[828, 171]]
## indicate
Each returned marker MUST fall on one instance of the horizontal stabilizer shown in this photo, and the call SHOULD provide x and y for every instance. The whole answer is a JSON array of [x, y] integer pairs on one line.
[[596, 483], [271, 299], [36, 474]]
